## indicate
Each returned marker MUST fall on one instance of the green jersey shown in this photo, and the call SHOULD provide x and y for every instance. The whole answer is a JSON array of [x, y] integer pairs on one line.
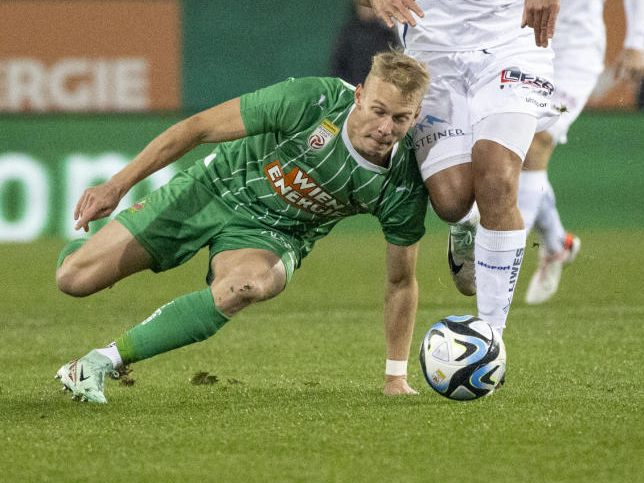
[[297, 171]]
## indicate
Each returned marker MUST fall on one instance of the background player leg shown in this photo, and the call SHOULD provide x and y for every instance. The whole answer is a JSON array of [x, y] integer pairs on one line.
[[538, 207], [534, 178]]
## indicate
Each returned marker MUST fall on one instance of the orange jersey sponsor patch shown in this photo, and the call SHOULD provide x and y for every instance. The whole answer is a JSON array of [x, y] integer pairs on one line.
[[301, 191]]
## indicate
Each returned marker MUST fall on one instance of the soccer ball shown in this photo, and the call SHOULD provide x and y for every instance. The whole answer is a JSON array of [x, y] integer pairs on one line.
[[462, 357]]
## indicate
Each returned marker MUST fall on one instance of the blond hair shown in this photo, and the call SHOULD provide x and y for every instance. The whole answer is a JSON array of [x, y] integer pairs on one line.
[[404, 72]]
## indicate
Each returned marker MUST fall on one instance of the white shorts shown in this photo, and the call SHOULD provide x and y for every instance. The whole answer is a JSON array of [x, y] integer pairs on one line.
[[466, 87], [576, 73]]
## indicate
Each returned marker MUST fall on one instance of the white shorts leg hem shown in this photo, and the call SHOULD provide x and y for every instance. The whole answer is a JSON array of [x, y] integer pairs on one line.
[[511, 130], [427, 170]]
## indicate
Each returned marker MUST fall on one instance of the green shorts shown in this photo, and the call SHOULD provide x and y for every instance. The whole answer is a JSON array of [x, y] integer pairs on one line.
[[174, 222]]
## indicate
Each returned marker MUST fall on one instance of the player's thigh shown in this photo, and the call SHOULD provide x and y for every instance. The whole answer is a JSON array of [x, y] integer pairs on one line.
[[503, 138], [501, 143], [451, 191], [107, 257], [443, 134], [176, 221], [247, 253]]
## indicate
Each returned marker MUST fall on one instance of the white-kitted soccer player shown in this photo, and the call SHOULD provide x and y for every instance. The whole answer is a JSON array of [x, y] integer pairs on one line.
[[579, 45], [491, 90]]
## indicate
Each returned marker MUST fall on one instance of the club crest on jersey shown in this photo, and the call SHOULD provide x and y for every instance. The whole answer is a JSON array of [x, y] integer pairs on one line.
[[138, 206], [325, 131]]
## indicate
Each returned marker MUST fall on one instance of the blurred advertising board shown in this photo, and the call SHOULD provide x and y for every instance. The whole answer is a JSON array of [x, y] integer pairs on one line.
[[90, 56], [47, 162], [167, 55]]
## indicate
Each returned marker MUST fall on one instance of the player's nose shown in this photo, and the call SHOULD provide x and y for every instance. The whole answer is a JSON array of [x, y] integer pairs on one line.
[[385, 127]]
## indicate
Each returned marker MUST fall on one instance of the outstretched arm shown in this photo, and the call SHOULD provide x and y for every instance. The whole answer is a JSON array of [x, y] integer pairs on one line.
[[217, 124], [401, 300]]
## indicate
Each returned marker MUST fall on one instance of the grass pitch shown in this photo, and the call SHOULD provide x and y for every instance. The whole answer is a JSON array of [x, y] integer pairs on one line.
[[298, 391]]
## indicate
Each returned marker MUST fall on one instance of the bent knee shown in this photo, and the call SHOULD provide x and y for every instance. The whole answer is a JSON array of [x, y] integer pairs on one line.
[[451, 192], [72, 280], [451, 209], [247, 290], [232, 294], [68, 283], [496, 192]]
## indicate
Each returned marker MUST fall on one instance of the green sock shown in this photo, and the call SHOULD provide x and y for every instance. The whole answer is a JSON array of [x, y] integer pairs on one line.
[[68, 249], [187, 319]]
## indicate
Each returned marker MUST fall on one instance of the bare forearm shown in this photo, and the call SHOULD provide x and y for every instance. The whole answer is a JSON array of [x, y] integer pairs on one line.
[[401, 299], [217, 124], [400, 314], [166, 148]]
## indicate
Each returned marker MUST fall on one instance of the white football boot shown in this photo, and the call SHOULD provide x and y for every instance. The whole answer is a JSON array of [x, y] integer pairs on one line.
[[460, 255], [85, 377], [545, 281]]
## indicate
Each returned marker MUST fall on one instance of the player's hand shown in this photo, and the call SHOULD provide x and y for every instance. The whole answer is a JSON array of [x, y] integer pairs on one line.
[[541, 15], [390, 11], [95, 203], [630, 65], [397, 385]]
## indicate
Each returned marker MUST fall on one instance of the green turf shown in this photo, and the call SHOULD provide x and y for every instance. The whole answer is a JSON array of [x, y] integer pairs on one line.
[[298, 397]]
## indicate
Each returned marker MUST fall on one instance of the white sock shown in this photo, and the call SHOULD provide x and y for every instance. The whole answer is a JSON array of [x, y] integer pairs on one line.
[[548, 222], [532, 187], [498, 257], [113, 353]]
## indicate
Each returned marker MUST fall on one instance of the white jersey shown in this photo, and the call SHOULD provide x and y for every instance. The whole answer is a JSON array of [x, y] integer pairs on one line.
[[579, 44], [634, 10], [463, 25], [580, 25]]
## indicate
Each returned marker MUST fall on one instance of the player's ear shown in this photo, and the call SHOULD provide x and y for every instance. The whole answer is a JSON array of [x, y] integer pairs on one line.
[[358, 94]]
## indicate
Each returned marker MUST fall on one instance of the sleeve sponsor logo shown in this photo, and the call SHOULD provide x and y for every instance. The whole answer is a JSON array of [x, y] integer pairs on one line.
[[301, 191], [325, 131]]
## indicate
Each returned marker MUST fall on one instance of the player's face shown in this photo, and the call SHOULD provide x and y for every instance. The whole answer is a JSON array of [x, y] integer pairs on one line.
[[382, 118]]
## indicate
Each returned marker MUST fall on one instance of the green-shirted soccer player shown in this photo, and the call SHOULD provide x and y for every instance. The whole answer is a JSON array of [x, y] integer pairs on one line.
[[293, 160]]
